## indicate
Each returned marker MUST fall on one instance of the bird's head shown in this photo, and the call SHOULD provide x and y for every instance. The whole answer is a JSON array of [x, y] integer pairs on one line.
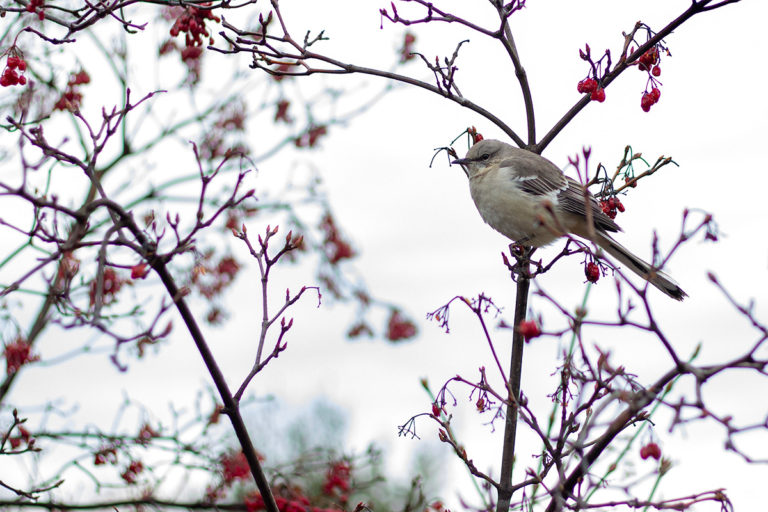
[[481, 155]]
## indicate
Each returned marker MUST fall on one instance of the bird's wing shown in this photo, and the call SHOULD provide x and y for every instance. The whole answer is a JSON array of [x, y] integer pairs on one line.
[[536, 175], [539, 177], [572, 200]]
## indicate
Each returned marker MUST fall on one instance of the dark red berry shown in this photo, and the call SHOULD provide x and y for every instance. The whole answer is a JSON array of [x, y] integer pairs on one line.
[[592, 271], [646, 102], [587, 86], [598, 95], [10, 77], [529, 329], [648, 59], [656, 71], [650, 450]]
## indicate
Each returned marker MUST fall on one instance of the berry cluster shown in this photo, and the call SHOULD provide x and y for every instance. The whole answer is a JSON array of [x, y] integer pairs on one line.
[[34, 5], [337, 480], [611, 205], [649, 99], [72, 97], [234, 466], [309, 138], [399, 327], [592, 87], [24, 436], [210, 278], [649, 63], [255, 503], [131, 473], [106, 454], [192, 22], [17, 354], [10, 76], [282, 112]]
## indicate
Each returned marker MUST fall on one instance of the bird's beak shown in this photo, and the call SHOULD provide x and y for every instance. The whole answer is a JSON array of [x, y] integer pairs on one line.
[[464, 162]]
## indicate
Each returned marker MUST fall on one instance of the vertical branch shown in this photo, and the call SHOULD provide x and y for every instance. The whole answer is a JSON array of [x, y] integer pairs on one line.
[[515, 371], [522, 77]]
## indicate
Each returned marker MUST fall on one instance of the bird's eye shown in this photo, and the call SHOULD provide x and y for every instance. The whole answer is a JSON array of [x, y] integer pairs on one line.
[[485, 156]]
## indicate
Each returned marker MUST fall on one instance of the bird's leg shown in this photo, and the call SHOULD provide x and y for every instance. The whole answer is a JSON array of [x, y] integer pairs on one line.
[[522, 255]]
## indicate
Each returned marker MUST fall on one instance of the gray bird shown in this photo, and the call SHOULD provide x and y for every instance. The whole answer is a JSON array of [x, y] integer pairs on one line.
[[528, 199]]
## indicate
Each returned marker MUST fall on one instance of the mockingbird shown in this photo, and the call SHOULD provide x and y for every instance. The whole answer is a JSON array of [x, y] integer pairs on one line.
[[528, 199]]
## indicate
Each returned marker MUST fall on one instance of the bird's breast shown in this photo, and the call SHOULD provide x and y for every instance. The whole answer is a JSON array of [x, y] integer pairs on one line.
[[512, 212]]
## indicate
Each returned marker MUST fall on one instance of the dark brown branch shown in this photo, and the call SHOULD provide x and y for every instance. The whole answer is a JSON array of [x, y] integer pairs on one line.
[[515, 371]]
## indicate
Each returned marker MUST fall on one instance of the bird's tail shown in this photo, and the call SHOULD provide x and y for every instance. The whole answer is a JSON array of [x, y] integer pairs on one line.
[[657, 278]]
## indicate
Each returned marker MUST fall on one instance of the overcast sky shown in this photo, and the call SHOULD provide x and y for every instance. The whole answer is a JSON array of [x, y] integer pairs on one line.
[[421, 241]]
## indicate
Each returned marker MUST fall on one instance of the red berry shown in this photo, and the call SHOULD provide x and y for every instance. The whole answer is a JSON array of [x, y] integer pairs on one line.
[[619, 206], [646, 102], [79, 78], [598, 95], [588, 85], [648, 59], [655, 94], [10, 76], [656, 71], [528, 329], [4, 81], [22, 65], [139, 271], [650, 450], [592, 271], [22, 80], [13, 62]]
